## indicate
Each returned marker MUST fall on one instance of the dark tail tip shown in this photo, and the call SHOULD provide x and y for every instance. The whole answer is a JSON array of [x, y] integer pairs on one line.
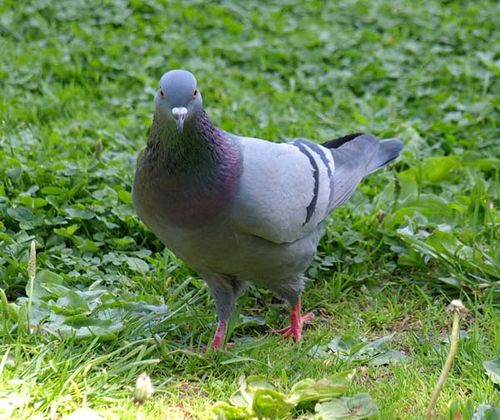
[[336, 143]]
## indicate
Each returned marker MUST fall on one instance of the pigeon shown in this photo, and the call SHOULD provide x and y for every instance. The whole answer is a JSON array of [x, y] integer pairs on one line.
[[242, 210]]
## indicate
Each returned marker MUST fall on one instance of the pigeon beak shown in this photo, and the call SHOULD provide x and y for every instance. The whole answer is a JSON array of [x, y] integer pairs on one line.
[[179, 114]]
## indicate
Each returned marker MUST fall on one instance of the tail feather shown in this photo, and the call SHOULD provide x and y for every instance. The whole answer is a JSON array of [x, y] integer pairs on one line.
[[388, 151], [336, 143], [356, 156]]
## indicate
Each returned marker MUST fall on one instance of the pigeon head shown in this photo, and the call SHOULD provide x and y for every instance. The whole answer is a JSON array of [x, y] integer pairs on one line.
[[178, 98]]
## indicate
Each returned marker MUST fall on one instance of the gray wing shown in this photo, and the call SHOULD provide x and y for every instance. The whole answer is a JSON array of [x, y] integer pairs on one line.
[[287, 189]]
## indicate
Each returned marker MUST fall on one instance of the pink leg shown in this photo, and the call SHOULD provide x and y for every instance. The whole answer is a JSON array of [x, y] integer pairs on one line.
[[218, 339], [220, 333], [296, 322]]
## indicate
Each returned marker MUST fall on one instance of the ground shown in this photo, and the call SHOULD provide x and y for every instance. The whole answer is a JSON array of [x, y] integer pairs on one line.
[[108, 302]]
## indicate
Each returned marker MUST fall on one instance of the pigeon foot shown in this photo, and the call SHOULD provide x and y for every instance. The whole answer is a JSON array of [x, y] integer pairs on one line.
[[297, 323], [218, 340]]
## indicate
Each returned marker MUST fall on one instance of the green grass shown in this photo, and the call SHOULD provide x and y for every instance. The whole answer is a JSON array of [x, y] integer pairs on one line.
[[108, 302]]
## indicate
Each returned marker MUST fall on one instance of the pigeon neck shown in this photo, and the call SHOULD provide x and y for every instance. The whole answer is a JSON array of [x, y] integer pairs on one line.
[[198, 149], [189, 178]]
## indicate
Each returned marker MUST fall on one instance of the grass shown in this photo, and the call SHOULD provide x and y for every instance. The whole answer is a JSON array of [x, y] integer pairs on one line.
[[108, 302]]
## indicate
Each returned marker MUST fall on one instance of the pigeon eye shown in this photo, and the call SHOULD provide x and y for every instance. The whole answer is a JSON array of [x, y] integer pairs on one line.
[[161, 93], [195, 92]]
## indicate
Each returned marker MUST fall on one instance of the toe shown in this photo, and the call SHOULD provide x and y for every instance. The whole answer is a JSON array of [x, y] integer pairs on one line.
[[308, 317], [283, 330]]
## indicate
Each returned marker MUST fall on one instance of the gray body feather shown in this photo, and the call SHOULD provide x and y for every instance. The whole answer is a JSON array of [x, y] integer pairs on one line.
[[268, 230], [242, 210]]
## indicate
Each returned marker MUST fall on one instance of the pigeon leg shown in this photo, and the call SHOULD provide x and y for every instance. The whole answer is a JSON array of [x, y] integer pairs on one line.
[[225, 290], [296, 322], [218, 340], [219, 336]]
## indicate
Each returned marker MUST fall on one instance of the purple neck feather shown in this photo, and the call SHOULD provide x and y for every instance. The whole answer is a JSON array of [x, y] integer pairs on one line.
[[193, 175]]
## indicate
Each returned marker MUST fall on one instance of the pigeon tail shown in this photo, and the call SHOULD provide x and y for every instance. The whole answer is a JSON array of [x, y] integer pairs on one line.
[[388, 151], [336, 143], [355, 157]]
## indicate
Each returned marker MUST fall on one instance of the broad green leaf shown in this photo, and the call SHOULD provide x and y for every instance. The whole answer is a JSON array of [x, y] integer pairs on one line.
[[225, 411], [43, 280], [268, 403], [379, 344], [20, 213], [136, 264], [452, 281], [375, 353], [309, 390], [31, 202], [358, 407], [84, 320], [486, 164], [486, 412], [239, 399], [493, 369], [68, 231], [122, 243], [392, 356], [439, 168], [72, 301], [125, 196], [53, 190], [444, 242], [249, 385], [88, 246], [245, 320], [80, 213], [258, 381], [26, 218], [432, 207], [360, 118], [347, 344]]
